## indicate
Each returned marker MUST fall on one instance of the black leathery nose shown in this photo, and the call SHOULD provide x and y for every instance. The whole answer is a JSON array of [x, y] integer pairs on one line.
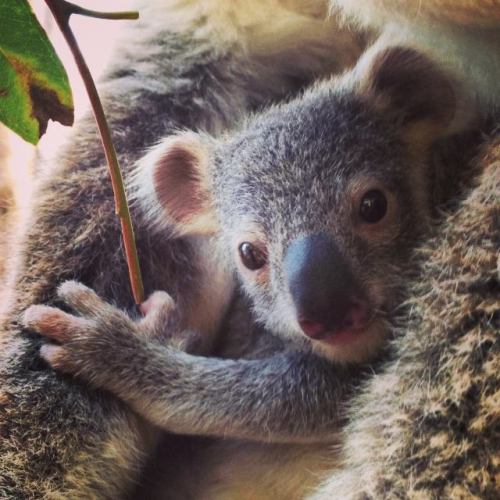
[[320, 281]]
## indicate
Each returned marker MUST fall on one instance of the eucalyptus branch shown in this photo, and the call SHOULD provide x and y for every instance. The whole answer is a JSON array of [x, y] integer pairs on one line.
[[62, 11]]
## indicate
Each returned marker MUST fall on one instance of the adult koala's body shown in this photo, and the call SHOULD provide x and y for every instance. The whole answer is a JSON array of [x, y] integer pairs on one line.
[[429, 425], [185, 64]]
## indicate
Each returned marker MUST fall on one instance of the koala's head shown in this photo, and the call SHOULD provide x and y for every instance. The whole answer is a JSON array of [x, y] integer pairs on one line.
[[319, 200]]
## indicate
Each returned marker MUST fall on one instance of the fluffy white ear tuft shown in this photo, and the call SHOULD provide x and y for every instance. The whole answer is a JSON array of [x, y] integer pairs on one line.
[[172, 184]]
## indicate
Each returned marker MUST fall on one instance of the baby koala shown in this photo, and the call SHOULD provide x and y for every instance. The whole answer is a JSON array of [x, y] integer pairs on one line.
[[314, 206]]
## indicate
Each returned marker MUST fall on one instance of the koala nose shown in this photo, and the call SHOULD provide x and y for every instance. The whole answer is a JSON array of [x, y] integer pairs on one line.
[[322, 286]]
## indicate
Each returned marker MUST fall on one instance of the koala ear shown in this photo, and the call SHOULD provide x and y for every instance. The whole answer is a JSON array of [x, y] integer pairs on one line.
[[176, 185], [410, 87]]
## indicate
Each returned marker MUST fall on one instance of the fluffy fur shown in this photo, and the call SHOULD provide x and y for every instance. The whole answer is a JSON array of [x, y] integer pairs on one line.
[[59, 439], [429, 425], [176, 68], [464, 13], [462, 35], [277, 394]]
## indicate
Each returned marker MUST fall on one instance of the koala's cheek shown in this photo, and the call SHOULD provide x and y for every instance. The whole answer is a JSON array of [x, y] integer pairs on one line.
[[257, 281], [376, 291], [262, 279], [279, 315], [385, 288]]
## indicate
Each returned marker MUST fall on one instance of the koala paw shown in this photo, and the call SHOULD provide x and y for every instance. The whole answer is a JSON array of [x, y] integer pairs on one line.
[[159, 317], [97, 333]]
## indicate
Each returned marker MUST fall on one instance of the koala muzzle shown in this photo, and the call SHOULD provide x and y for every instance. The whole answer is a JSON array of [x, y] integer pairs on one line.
[[324, 291]]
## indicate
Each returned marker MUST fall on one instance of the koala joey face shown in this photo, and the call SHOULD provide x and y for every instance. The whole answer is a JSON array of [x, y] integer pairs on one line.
[[320, 212], [319, 201]]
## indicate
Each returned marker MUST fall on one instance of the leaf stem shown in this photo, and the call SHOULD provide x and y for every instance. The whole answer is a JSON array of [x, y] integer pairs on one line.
[[62, 10], [76, 9]]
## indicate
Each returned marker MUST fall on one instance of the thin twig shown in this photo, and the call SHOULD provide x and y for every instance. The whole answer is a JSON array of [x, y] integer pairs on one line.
[[76, 9], [62, 10]]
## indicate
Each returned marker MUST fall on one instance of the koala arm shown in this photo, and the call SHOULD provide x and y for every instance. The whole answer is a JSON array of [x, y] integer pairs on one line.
[[289, 397]]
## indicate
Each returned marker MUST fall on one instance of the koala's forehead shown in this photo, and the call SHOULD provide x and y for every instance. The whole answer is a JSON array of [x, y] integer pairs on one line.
[[308, 148]]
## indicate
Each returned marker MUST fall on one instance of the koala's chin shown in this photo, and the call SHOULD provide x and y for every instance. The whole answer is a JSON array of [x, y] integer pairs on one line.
[[354, 346]]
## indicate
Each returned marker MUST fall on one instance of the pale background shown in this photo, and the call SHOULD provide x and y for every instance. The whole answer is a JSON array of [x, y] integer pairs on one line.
[[96, 40], [19, 165]]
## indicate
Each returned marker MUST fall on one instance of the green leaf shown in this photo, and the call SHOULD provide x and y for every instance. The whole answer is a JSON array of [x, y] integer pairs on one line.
[[34, 86]]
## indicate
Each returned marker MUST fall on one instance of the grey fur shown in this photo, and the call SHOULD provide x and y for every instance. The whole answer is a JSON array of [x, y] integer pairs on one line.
[[59, 438], [289, 171], [428, 425]]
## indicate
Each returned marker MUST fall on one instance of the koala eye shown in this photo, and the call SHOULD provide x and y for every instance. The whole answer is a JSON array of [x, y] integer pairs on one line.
[[251, 256], [373, 206]]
